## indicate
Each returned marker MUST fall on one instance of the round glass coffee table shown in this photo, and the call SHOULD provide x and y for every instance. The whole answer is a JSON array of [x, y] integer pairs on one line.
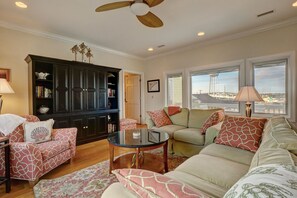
[[142, 140]]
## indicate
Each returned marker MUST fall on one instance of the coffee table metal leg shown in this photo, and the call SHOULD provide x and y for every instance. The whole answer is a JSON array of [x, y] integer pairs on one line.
[[165, 157], [137, 157], [111, 157]]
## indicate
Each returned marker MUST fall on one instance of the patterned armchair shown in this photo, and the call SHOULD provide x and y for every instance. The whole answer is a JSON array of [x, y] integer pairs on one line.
[[29, 161]]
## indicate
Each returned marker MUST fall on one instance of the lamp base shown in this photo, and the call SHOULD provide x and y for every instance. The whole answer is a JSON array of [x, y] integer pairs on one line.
[[248, 110]]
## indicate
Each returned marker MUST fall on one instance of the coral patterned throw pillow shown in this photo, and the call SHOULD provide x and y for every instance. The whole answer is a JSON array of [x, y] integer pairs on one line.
[[38, 132], [159, 117], [213, 119], [241, 132], [150, 184]]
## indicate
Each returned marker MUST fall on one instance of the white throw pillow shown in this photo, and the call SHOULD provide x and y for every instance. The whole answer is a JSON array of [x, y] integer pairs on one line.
[[9, 122], [38, 132], [272, 180]]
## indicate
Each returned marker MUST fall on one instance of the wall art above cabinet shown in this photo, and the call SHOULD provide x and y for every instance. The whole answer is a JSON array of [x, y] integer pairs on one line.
[[75, 94]]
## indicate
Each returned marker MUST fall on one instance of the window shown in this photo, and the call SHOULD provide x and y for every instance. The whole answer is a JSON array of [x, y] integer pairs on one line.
[[174, 89], [215, 88], [270, 80]]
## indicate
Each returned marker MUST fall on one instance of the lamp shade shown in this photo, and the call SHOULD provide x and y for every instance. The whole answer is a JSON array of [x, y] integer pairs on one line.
[[5, 88], [248, 94]]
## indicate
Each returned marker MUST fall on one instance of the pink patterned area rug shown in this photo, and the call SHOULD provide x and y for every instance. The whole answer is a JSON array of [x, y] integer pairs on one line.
[[88, 182]]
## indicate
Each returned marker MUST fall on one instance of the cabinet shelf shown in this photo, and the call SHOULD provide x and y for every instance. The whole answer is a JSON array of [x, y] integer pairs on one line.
[[44, 80]]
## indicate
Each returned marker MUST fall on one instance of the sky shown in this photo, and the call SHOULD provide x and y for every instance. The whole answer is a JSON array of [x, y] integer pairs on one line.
[[267, 80]]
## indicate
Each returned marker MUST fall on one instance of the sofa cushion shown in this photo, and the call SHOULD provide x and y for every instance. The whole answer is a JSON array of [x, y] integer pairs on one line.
[[229, 153], [282, 138], [279, 122], [211, 133], [198, 183], [215, 170], [213, 119], [179, 118], [170, 129], [266, 181], [159, 117], [150, 184], [118, 190], [278, 134], [52, 148], [266, 155], [189, 135], [241, 132], [197, 117]]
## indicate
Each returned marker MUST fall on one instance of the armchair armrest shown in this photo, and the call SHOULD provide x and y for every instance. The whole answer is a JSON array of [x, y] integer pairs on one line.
[[212, 132], [66, 134], [25, 161], [149, 122]]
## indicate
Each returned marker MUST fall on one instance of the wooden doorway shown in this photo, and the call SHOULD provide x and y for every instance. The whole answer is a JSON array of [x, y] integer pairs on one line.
[[132, 96]]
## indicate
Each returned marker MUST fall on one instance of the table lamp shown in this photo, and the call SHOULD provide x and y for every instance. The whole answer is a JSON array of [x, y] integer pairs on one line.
[[248, 94], [5, 88]]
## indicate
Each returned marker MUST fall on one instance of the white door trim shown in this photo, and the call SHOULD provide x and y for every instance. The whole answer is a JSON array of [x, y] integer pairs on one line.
[[122, 86]]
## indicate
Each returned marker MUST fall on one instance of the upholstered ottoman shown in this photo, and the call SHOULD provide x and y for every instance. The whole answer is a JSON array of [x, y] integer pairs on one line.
[[126, 123]]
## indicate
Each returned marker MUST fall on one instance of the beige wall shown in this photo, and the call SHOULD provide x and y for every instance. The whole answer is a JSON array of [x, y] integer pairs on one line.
[[261, 44], [16, 45]]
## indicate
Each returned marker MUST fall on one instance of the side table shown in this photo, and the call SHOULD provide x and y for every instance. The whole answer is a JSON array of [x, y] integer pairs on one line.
[[4, 143]]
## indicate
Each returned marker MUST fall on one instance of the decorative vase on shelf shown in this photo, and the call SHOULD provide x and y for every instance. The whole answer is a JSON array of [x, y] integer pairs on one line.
[[41, 75]]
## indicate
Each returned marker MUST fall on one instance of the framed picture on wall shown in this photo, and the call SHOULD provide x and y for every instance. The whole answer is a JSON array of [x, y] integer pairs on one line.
[[5, 73], [153, 85]]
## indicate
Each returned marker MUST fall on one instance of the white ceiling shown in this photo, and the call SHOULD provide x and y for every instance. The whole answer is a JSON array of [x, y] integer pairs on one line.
[[120, 30]]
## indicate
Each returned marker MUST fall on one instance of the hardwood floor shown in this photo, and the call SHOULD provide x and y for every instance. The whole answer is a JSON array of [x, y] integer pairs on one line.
[[86, 155]]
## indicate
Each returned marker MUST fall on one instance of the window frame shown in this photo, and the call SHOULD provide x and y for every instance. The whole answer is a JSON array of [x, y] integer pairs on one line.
[[201, 69], [172, 73], [290, 80]]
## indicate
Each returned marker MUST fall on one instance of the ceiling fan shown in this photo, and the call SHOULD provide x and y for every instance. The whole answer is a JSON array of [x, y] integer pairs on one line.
[[141, 8]]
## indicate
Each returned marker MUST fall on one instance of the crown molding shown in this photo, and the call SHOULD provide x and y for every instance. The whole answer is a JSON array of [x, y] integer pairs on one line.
[[64, 39], [259, 29], [288, 22]]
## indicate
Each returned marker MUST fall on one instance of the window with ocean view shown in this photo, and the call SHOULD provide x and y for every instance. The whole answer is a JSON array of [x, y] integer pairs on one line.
[[215, 88], [270, 79]]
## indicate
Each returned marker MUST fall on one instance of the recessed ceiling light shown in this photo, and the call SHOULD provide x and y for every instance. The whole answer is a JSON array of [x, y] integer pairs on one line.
[[294, 4], [150, 49], [201, 33], [21, 4]]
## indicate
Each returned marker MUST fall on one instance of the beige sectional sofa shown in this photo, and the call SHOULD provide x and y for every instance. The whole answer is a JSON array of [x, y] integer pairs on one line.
[[185, 136], [218, 167]]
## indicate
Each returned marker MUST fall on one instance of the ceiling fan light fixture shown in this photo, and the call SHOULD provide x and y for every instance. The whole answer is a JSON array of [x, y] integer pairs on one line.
[[139, 8]]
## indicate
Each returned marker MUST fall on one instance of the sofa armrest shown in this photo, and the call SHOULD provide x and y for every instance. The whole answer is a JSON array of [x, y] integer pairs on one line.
[[25, 161], [66, 134], [149, 122], [211, 133]]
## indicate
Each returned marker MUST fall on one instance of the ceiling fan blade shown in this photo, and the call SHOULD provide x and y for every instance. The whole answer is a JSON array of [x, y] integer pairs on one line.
[[153, 3], [112, 6], [150, 20]]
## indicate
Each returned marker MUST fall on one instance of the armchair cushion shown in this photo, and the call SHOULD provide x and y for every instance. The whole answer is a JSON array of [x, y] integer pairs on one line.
[[38, 132], [52, 148]]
